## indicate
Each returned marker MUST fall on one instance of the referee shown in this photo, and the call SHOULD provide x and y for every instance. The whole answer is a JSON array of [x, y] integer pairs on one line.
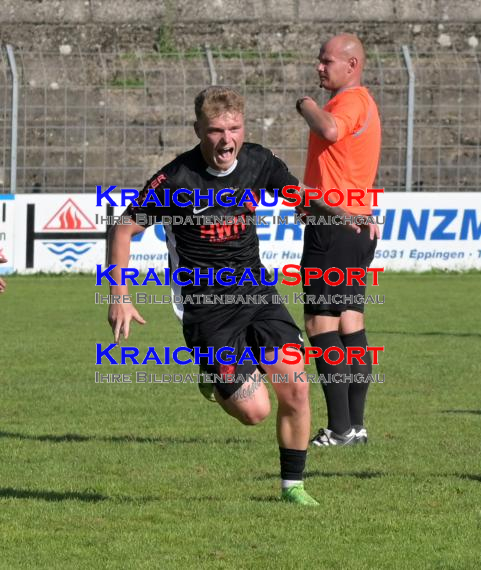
[[343, 153]]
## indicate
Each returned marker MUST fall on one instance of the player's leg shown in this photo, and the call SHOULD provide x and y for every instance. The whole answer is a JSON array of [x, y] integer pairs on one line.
[[234, 387], [290, 384], [273, 326], [291, 387], [247, 401]]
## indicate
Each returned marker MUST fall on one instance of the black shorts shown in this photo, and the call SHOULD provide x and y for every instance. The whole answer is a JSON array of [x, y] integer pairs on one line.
[[240, 326], [327, 246]]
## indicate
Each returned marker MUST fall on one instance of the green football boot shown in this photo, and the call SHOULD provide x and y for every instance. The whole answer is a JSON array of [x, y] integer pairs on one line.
[[297, 494], [207, 390]]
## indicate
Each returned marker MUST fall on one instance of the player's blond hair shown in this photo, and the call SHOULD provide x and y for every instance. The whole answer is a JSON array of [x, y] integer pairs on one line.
[[215, 100]]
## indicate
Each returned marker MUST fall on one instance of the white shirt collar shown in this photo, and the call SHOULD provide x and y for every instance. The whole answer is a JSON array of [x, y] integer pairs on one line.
[[222, 173]]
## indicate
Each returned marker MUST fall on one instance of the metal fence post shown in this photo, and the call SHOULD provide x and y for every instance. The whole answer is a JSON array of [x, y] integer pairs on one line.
[[210, 62], [13, 148], [410, 125]]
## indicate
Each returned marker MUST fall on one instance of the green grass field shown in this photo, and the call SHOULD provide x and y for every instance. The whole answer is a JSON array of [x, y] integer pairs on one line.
[[153, 476]]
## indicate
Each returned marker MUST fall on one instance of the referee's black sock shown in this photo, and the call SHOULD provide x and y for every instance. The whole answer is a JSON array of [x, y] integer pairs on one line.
[[293, 463], [336, 389], [358, 389]]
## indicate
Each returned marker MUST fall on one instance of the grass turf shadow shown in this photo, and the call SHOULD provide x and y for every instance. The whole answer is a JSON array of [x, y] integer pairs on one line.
[[469, 476], [308, 474], [55, 496], [475, 412], [428, 333], [75, 437]]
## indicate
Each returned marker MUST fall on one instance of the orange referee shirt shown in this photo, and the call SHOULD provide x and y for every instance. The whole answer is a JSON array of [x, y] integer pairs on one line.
[[352, 161]]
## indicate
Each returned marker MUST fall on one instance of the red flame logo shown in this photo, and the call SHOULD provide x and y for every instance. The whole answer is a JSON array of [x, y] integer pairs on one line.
[[69, 221], [69, 217]]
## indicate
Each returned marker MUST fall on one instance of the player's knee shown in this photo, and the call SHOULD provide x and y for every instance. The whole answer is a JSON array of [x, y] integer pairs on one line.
[[255, 414]]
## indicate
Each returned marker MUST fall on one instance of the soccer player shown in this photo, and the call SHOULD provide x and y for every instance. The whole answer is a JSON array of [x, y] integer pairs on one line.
[[223, 161], [343, 153]]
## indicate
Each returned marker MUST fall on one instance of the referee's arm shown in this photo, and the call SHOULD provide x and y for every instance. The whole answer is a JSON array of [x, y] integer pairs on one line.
[[320, 122]]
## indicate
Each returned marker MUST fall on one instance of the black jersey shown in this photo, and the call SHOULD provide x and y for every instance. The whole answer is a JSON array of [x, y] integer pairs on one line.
[[217, 245]]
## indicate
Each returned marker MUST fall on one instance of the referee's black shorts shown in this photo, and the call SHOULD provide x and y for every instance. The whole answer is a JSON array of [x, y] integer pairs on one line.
[[327, 246], [239, 326]]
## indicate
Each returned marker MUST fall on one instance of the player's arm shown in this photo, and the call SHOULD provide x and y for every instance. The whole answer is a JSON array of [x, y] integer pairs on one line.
[[320, 122], [3, 285], [318, 206], [321, 208], [121, 314]]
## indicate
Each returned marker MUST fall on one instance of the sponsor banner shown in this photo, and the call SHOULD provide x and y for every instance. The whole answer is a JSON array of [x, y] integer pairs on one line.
[[7, 218], [61, 232], [58, 232], [424, 231], [421, 232]]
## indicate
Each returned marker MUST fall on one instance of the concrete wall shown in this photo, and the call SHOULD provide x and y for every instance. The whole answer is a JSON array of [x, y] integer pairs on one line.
[[233, 23], [147, 11], [125, 93]]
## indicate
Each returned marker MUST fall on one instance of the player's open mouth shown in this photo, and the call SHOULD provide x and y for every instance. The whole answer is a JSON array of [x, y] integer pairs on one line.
[[226, 153]]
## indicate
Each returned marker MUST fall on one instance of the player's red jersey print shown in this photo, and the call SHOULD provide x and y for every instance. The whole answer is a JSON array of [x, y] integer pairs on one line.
[[224, 231]]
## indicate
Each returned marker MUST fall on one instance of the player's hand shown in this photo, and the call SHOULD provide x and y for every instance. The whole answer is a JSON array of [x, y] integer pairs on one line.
[[354, 227], [120, 316], [374, 231], [302, 212]]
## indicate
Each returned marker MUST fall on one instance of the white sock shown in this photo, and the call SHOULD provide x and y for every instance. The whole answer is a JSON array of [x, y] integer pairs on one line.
[[286, 483]]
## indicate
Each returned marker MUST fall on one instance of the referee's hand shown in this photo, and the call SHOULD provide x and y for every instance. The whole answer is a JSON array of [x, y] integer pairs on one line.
[[374, 231], [119, 318]]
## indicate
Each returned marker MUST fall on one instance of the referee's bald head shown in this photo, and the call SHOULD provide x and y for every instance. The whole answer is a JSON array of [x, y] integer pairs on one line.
[[347, 46], [341, 62]]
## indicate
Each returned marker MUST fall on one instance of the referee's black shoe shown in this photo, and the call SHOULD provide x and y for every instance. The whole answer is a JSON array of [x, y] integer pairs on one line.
[[326, 437]]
